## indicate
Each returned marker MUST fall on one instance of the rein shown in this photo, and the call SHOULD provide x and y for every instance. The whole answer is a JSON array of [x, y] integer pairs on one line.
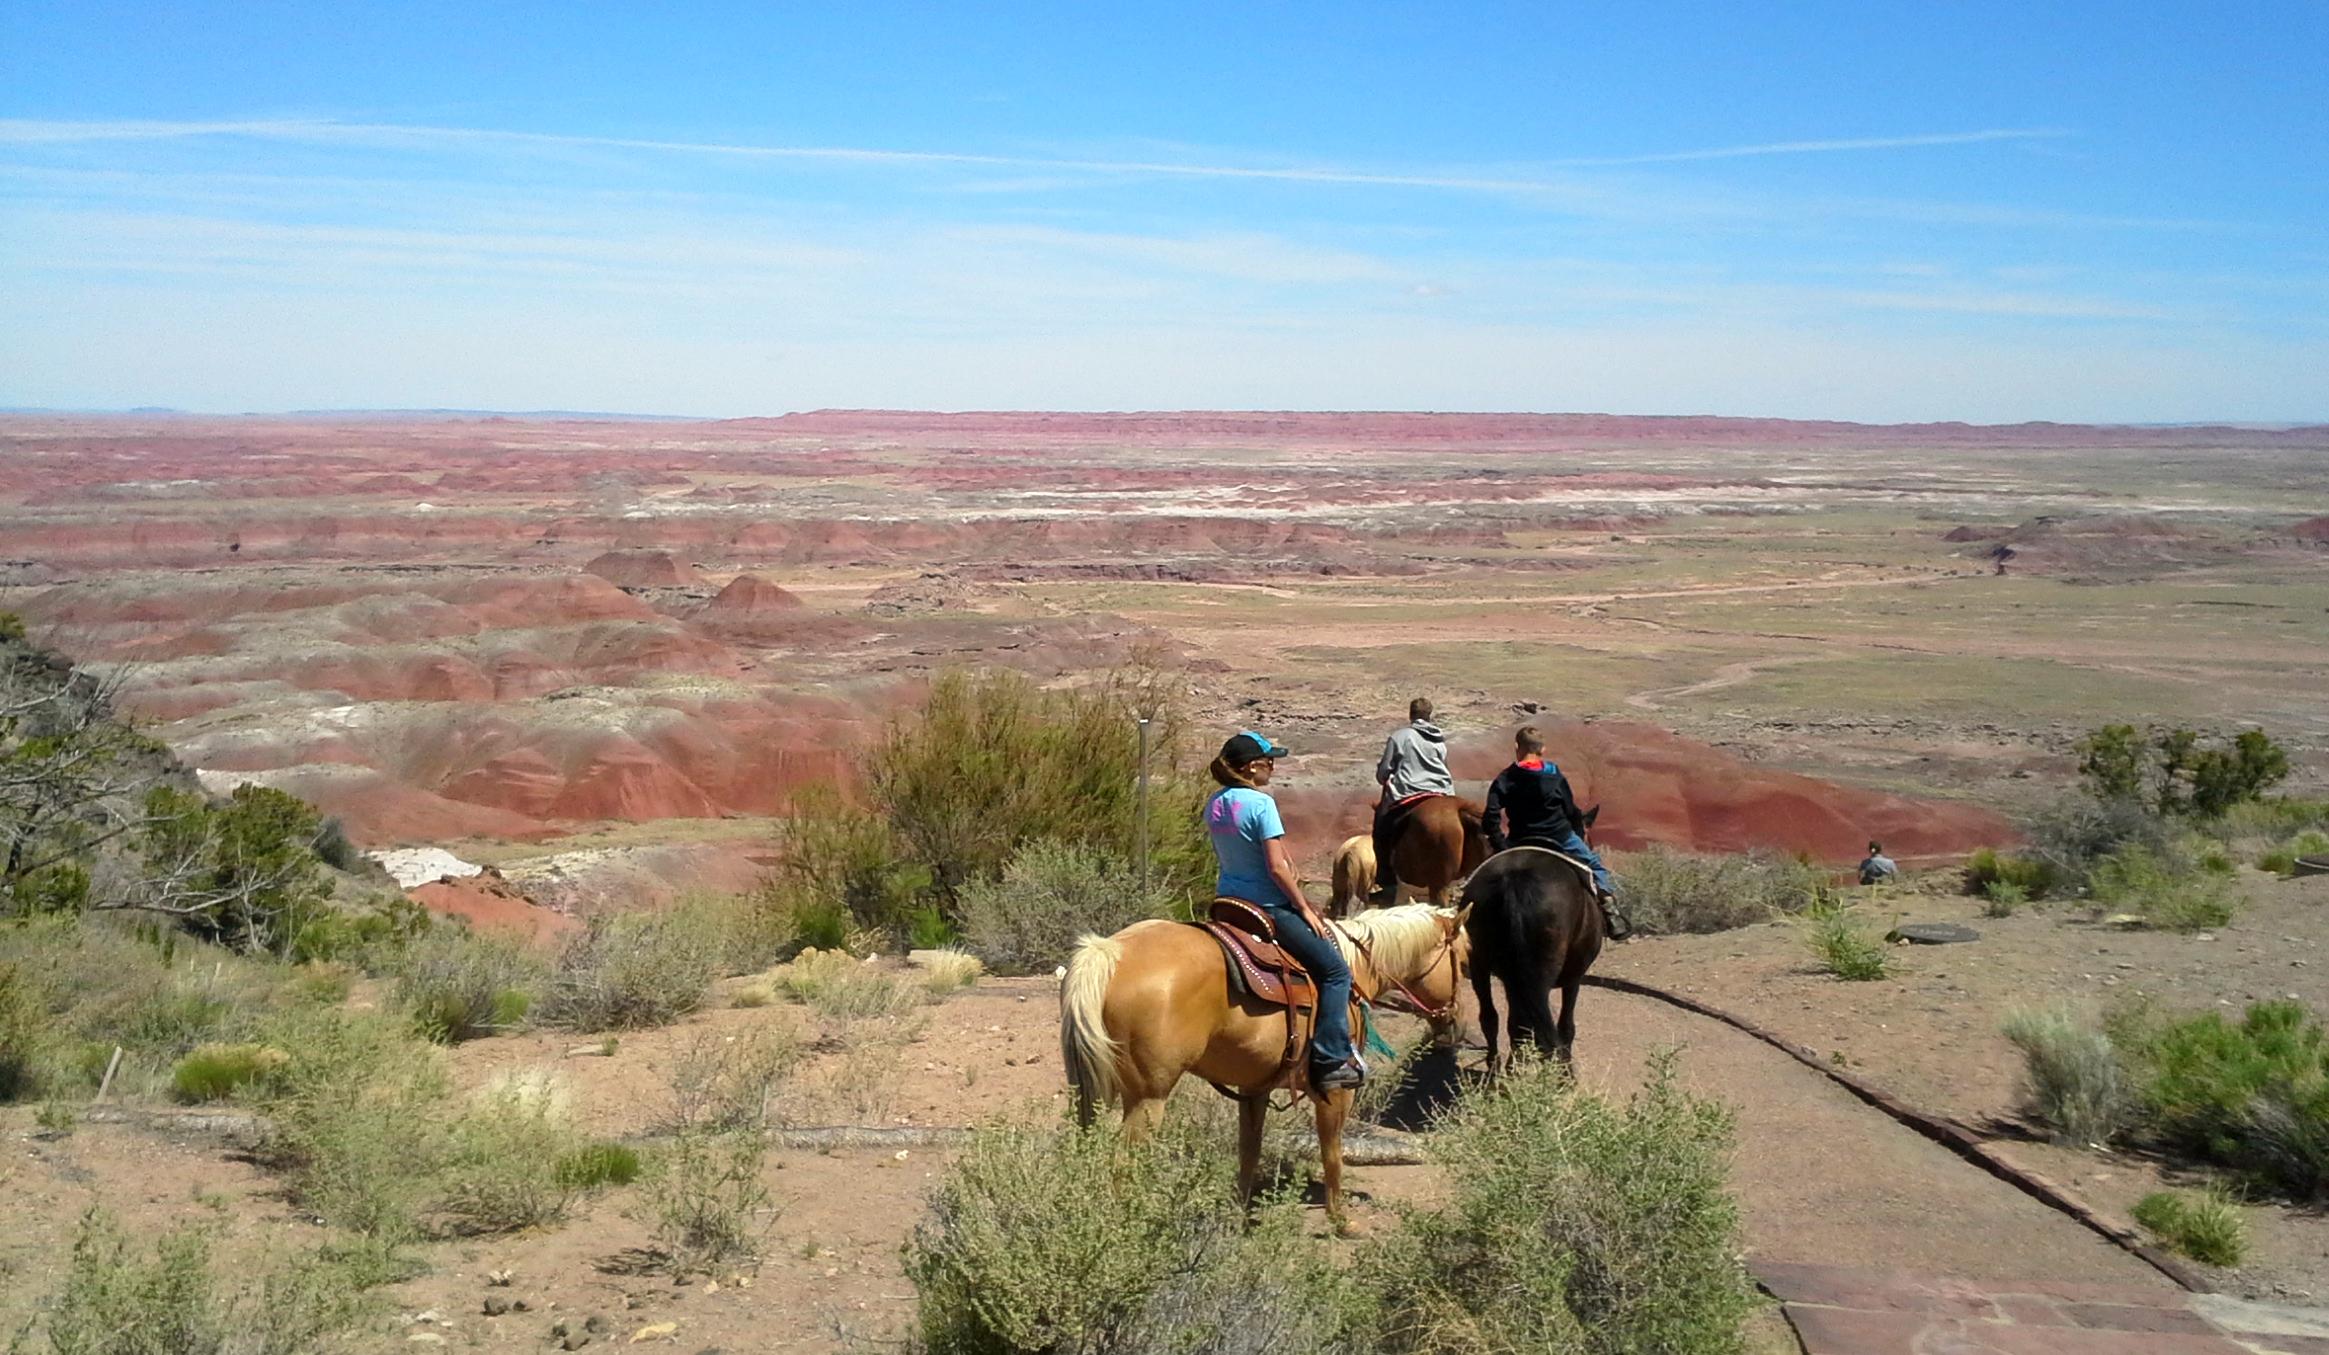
[[1415, 1004]]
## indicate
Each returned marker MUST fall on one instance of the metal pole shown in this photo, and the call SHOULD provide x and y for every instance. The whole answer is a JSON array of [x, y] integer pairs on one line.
[[1140, 806]]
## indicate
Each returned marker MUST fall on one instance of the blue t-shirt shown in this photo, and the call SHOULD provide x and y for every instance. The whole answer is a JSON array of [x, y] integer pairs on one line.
[[1241, 821]]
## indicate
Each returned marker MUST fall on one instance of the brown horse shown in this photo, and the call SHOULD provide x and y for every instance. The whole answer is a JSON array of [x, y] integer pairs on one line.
[[1140, 1010], [1438, 843], [1534, 924]]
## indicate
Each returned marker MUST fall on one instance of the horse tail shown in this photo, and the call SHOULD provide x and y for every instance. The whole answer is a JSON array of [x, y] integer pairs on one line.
[[1085, 1046]]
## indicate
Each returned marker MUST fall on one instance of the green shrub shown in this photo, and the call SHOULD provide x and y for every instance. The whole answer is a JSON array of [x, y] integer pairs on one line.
[[504, 1160], [94, 984], [636, 970], [2280, 861], [2206, 1227], [2164, 888], [27, 1036], [703, 1187], [1667, 892], [2073, 1079], [840, 987], [120, 1300], [2181, 772], [2002, 898], [1843, 945], [117, 1301], [214, 1072], [2075, 832], [354, 1118], [2275, 818], [1988, 868], [1028, 920], [460, 986], [850, 857], [243, 874], [992, 762], [596, 1166], [928, 929], [2251, 1095], [2311, 842], [1074, 1239], [1572, 1224], [822, 925]]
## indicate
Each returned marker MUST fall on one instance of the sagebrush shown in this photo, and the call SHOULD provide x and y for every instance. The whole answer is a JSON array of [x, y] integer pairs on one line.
[[2074, 1081], [1028, 920], [1667, 892]]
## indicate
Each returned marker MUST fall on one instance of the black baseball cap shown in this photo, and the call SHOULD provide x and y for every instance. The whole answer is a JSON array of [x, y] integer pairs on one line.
[[1248, 746]]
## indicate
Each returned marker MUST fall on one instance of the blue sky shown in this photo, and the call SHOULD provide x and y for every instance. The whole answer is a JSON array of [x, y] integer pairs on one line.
[[1986, 211]]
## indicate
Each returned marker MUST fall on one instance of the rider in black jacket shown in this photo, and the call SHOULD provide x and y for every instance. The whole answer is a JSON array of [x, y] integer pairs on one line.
[[1534, 798]]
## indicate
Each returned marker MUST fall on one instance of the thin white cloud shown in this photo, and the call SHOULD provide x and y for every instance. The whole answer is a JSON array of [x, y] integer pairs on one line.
[[35, 132]]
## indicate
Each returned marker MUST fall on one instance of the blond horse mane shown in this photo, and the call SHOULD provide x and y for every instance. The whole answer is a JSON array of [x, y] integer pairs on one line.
[[1404, 940]]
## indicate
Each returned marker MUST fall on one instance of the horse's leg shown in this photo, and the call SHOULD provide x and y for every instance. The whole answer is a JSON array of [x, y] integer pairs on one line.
[[1532, 1011], [1484, 991], [1252, 1112], [1142, 1115], [1333, 1111], [1565, 1036]]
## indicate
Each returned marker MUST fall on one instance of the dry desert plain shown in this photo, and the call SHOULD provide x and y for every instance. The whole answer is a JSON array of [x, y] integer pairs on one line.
[[602, 654]]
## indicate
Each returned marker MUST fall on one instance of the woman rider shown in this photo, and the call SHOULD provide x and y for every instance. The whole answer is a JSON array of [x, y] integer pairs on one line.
[[1250, 842]]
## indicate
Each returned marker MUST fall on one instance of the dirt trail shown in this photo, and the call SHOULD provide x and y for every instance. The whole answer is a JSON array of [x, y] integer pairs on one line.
[[1729, 675]]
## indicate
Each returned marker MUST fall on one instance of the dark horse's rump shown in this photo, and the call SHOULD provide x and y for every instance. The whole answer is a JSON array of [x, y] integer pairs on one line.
[[1533, 925]]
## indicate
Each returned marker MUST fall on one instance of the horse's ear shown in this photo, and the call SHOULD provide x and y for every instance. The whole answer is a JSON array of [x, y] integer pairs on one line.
[[1591, 815]]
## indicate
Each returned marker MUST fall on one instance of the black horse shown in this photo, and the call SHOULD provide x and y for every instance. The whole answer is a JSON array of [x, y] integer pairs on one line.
[[1534, 924]]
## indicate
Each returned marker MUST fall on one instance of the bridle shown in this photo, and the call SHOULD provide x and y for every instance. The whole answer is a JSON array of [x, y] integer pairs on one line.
[[1415, 1003]]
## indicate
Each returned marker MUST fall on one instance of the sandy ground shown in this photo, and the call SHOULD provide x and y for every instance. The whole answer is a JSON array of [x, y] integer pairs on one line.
[[1820, 1177]]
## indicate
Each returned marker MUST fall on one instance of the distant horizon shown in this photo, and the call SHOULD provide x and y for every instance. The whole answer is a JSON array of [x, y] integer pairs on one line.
[[639, 416]]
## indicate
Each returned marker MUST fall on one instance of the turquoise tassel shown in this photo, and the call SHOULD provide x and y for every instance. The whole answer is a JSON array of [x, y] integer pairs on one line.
[[1375, 1042]]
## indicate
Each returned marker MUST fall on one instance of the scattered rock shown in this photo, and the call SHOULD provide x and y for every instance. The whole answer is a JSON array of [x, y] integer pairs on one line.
[[1933, 933], [496, 1305]]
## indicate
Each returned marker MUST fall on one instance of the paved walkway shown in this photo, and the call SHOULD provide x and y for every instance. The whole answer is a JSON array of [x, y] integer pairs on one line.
[[1838, 1310]]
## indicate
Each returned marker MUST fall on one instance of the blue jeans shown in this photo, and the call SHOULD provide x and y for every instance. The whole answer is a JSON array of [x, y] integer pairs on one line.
[[1572, 843], [1330, 1042]]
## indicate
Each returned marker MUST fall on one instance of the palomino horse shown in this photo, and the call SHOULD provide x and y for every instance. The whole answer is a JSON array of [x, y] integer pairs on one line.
[[1534, 924], [1438, 843], [1140, 1010], [1354, 876]]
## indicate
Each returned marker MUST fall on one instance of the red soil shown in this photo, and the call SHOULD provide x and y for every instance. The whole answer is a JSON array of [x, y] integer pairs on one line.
[[494, 906]]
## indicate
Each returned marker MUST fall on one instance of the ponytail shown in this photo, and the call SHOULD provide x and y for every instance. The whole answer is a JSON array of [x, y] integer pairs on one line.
[[1230, 777]]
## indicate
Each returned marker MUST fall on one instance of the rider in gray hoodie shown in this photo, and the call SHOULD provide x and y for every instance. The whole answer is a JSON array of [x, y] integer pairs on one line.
[[1414, 762]]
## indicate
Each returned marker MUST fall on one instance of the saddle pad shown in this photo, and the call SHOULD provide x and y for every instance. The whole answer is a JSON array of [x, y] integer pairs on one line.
[[1574, 864], [1405, 800], [1255, 965]]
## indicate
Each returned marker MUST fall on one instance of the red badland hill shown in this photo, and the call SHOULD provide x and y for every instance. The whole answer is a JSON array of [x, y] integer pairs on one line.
[[1655, 786], [750, 597], [644, 569]]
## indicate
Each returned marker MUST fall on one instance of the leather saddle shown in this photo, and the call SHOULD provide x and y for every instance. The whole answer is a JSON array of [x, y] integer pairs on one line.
[[1259, 967]]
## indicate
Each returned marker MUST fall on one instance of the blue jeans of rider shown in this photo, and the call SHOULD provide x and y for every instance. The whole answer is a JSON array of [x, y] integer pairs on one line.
[[1574, 845], [1330, 1042]]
